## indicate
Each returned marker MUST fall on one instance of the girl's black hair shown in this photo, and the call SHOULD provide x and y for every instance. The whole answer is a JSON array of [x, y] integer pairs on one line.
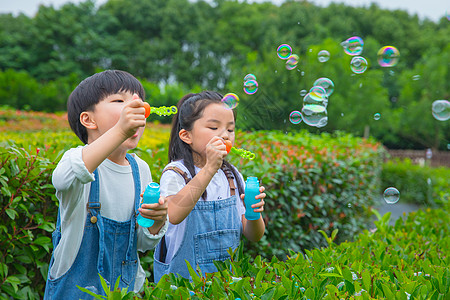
[[190, 109], [94, 89]]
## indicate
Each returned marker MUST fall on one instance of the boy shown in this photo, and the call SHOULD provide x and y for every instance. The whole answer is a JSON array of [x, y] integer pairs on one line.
[[98, 187]]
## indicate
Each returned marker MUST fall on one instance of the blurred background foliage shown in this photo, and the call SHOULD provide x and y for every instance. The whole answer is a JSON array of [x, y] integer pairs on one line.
[[178, 46]]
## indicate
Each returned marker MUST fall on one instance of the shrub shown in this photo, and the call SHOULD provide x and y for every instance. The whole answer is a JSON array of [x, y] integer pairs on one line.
[[406, 261], [27, 218], [422, 185]]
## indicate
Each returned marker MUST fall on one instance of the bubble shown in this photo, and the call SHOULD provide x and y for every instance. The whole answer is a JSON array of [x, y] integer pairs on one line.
[[284, 51], [318, 93], [388, 56], [313, 114], [310, 100], [448, 146], [358, 64], [441, 110], [230, 100], [326, 83], [302, 73], [292, 61], [416, 77], [249, 77], [322, 122], [323, 56], [295, 117], [391, 195], [250, 87], [303, 92], [353, 45], [376, 116]]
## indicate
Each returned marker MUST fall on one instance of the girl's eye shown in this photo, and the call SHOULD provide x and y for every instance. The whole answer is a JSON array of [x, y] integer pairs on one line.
[[118, 100], [230, 130], [213, 128]]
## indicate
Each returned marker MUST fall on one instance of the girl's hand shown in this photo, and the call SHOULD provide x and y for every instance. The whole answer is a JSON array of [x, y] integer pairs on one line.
[[215, 153], [132, 117], [155, 211], [258, 207]]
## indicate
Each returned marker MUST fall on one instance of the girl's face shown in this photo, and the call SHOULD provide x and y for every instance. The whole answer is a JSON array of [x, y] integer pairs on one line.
[[216, 120]]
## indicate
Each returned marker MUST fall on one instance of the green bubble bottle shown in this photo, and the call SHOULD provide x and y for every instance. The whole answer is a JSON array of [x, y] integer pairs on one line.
[[251, 191], [151, 195]]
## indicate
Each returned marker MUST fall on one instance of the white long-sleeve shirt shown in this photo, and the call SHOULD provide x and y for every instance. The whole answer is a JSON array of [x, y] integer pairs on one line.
[[72, 181]]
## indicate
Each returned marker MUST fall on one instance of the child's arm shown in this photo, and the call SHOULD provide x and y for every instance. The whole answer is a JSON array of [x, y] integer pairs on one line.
[[131, 119], [182, 203], [254, 229]]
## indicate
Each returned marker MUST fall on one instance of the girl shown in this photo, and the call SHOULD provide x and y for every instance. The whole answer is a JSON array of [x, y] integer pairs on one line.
[[206, 216]]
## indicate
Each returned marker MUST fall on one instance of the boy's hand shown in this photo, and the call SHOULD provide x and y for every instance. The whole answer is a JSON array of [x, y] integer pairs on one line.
[[215, 153], [132, 117], [258, 207], [155, 211]]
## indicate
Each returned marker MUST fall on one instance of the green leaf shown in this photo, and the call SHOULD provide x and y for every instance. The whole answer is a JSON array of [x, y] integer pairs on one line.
[[3, 270], [268, 294], [91, 293], [260, 276], [11, 213], [104, 284], [14, 281], [197, 280], [330, 275]]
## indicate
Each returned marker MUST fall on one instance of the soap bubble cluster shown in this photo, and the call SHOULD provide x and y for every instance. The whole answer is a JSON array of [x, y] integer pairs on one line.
[[250, 84], [284, 51]]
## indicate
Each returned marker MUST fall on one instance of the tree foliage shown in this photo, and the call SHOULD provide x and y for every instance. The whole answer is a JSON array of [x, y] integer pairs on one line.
[[183, 45]]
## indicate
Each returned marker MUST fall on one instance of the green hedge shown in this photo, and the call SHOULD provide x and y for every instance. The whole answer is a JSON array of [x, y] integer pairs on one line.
[[313, 183], [27, 219], [421, 185], [407, 261]]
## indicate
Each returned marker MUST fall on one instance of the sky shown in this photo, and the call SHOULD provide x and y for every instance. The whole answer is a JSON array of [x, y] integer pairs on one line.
[[431, 9]]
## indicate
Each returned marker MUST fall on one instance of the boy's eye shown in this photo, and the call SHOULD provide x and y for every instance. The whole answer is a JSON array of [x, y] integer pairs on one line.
[[230, 130], [213, 128], [118, 100]]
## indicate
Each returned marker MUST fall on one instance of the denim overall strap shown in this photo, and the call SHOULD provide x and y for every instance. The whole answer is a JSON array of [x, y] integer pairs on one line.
[[137, 198], [94, 207]]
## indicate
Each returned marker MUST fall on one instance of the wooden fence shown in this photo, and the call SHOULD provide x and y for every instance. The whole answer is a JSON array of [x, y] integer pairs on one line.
[[422, 157]]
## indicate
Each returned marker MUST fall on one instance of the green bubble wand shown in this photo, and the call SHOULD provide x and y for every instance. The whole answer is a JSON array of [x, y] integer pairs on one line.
[[160, 111], [245, 154]]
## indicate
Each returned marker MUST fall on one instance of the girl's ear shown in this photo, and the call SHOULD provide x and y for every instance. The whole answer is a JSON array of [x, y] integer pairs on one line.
[[185, 136], [87, 120]]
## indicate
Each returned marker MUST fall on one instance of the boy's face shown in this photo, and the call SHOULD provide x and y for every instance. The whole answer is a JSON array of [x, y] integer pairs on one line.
[[107, 113]]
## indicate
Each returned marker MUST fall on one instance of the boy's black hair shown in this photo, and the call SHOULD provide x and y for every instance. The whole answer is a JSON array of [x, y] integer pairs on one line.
[[190, 109], [94, 89]]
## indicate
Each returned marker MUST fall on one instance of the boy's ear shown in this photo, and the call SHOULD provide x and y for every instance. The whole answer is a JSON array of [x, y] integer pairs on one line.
[[185, 136], [87, 120]]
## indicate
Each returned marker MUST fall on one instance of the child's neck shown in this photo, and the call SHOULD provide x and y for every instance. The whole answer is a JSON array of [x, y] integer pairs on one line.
[[199, 161]]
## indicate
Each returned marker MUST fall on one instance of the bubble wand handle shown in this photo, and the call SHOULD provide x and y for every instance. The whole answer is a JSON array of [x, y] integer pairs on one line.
[[246, 154]]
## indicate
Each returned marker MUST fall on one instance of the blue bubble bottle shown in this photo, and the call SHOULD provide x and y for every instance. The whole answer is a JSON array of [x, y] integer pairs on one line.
[[151, 195], [251, 191]]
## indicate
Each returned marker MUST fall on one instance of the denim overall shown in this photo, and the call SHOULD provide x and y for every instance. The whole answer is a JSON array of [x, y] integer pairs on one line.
[[106, 249], [212, 227]]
